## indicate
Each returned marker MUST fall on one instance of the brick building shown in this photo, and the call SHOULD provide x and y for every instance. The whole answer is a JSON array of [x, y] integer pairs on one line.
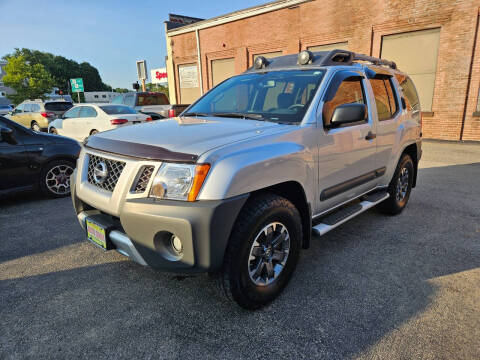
[[435, 41]]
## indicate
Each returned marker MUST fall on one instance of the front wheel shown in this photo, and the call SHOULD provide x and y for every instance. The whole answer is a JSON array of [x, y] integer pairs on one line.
[[53, 131], [400, 187], [35, 127], [55, 178], [262, 252]]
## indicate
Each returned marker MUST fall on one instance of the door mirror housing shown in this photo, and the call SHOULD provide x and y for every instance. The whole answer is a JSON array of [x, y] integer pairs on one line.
[[347, 114], [6, 134]]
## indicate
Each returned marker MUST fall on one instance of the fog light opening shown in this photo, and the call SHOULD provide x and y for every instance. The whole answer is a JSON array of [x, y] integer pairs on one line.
[[177, 245]]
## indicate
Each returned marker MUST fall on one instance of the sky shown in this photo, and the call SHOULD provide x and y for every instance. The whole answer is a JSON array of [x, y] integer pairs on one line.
[[110, 35]]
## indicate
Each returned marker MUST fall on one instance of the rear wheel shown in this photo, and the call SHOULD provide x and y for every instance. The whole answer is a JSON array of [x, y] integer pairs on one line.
[[263, 251], [35, 127], [400, 187], [55, 178]]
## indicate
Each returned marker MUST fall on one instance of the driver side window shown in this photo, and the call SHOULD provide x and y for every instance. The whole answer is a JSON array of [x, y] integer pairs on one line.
[[350, 91]]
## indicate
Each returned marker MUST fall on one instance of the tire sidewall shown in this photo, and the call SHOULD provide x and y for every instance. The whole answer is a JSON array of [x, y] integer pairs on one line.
[[405, 162], [241, 278]]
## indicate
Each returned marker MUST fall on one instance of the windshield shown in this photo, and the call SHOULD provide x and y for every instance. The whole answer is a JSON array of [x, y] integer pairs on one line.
[[117, 109], [152, 99], [279, 96]]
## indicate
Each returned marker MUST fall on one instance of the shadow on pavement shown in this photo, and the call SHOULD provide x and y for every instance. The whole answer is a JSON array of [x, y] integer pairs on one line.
[[354, 285]]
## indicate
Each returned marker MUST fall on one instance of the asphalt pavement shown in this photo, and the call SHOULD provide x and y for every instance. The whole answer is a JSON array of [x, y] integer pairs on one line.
[[378, 287]]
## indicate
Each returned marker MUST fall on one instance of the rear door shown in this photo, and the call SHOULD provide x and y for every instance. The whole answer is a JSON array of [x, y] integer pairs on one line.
[[389, 115], [347, 166]]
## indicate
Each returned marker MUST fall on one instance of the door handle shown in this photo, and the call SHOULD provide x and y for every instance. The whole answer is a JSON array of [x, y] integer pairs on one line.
[[370, 136]]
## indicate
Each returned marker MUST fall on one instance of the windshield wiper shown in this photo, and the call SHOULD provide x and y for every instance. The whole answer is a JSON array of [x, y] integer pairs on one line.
[[196, 114], [241, 116]]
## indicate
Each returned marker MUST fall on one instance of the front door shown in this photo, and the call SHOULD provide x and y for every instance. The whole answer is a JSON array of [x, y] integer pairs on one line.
[[347, 165], [69, 123], [14, 163]]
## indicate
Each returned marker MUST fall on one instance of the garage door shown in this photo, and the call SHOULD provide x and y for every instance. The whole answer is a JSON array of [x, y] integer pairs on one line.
[[222, 69], [416, 54], [328, 47], [189, 84]]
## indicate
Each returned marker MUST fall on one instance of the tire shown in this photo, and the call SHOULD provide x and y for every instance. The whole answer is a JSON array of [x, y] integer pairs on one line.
[[243, 278], [35, 127], [93, 132], [53, 131], [55, 178], [399, 188]]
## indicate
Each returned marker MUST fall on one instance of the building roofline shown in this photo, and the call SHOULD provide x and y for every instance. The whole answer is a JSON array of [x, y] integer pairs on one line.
[[236, 15]]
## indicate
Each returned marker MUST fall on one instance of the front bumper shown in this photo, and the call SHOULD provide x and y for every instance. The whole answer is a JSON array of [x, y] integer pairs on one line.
[[144, 227]]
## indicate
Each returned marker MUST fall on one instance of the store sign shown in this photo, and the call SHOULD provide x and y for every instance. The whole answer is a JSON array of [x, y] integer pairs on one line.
[[159, 76], [188, 76]]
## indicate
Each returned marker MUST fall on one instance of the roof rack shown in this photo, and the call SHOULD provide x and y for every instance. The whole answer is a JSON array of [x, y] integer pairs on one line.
[[337, 57]]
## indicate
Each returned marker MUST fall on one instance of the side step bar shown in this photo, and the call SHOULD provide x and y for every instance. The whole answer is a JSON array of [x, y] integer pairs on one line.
[[339, 217]]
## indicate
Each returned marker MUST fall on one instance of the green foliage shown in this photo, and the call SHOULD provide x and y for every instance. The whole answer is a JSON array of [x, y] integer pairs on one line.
[[30, 81], [121, 90], [157, 88], [62, 70]]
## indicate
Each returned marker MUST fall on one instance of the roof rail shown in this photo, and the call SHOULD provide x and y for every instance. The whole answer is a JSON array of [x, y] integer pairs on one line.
[[337, 57]]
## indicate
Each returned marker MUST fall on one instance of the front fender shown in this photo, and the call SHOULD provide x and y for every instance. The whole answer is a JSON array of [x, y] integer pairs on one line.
[[259, 167]]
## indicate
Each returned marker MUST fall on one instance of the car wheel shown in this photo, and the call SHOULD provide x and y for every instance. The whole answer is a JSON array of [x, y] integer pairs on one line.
[[262, 252], [55, 178], [35, 127], [53, 131], [399, 188], [93, 132]]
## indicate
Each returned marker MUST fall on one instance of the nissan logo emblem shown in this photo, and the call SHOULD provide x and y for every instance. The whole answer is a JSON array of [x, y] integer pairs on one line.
[[100, 173]]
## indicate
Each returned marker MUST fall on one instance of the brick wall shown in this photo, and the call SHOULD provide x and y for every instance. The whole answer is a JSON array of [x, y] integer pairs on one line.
[[362, 23]]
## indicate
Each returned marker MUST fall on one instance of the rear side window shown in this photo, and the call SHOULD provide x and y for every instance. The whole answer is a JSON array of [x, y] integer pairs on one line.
[[409, 92], [58, 106], [35, 108], [384, 98], [350, 91], [117, 109], [152, 99], [87, 111]]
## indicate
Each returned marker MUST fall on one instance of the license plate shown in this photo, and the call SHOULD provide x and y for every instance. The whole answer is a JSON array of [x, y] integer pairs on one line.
[[96, 234]]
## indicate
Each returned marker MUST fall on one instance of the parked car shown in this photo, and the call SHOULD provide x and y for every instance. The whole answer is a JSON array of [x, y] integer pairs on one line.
[[30, 160], [37, 114], [84, 120], [236, 185], [153, 104], [5, 109]]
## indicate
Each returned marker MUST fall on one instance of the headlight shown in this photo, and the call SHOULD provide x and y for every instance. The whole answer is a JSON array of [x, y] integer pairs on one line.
[[179, 181]]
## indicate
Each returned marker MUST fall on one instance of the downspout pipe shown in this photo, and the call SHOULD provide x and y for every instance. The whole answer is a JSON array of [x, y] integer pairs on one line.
[[199, 61]]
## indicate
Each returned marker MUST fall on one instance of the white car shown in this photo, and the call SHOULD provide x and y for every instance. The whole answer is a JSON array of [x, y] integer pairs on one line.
[[84, 120]]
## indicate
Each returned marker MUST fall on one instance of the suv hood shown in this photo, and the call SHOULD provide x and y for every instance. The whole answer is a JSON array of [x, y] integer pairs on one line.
[[178, 139]]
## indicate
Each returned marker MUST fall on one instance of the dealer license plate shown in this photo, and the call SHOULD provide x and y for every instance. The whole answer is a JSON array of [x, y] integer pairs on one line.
[[96, 234]]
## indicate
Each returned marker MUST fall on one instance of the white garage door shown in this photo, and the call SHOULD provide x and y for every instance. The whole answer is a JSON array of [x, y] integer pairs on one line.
[[189, 84], [328, 47], [222, 69], [416, 54]]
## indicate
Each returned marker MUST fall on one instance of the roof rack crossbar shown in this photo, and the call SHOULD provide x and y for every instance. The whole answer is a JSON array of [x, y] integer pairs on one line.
[[348, 57]]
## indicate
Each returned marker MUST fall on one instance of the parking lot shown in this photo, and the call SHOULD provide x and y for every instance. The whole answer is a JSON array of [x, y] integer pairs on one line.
[[404, 287]]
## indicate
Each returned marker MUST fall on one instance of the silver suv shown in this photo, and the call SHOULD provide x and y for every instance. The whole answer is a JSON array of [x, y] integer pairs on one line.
[[236, 184]]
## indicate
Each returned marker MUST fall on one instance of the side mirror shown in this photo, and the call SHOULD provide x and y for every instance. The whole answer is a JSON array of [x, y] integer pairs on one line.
[[348, 113], [6, 134]]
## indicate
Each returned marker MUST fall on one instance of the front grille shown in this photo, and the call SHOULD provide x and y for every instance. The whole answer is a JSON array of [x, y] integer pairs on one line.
[[114, 170], [142, 181]]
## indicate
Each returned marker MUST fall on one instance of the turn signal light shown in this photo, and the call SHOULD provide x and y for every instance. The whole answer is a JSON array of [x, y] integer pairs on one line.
[[118, 121], [171, 113], [201, 172]]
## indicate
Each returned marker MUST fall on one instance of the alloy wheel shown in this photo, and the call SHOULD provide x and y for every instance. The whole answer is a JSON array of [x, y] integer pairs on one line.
[[58, 179]]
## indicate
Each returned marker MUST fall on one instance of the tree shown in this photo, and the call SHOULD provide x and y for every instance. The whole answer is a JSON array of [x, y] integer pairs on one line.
[[63, 69], [121, 90], [30, 81], [157, 88]]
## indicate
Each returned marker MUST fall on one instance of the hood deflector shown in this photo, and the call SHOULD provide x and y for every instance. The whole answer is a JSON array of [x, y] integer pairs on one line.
[[138, 150]]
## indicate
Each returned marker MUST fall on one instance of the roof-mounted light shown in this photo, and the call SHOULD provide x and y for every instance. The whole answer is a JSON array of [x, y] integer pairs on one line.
[[305, 57], [260, 62]]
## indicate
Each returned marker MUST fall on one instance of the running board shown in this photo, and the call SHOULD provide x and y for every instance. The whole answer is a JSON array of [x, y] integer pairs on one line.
[[339, 217]]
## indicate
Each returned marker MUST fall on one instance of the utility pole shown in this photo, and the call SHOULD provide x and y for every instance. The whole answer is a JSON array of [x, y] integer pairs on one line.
[[143, 85]]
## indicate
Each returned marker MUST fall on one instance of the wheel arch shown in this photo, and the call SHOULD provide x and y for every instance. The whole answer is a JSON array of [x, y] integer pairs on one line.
[[294, 192]]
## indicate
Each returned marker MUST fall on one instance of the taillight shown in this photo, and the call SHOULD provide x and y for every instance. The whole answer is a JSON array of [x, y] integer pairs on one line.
[[148, 119], [118, 121], [47, 114], [171, 113]]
